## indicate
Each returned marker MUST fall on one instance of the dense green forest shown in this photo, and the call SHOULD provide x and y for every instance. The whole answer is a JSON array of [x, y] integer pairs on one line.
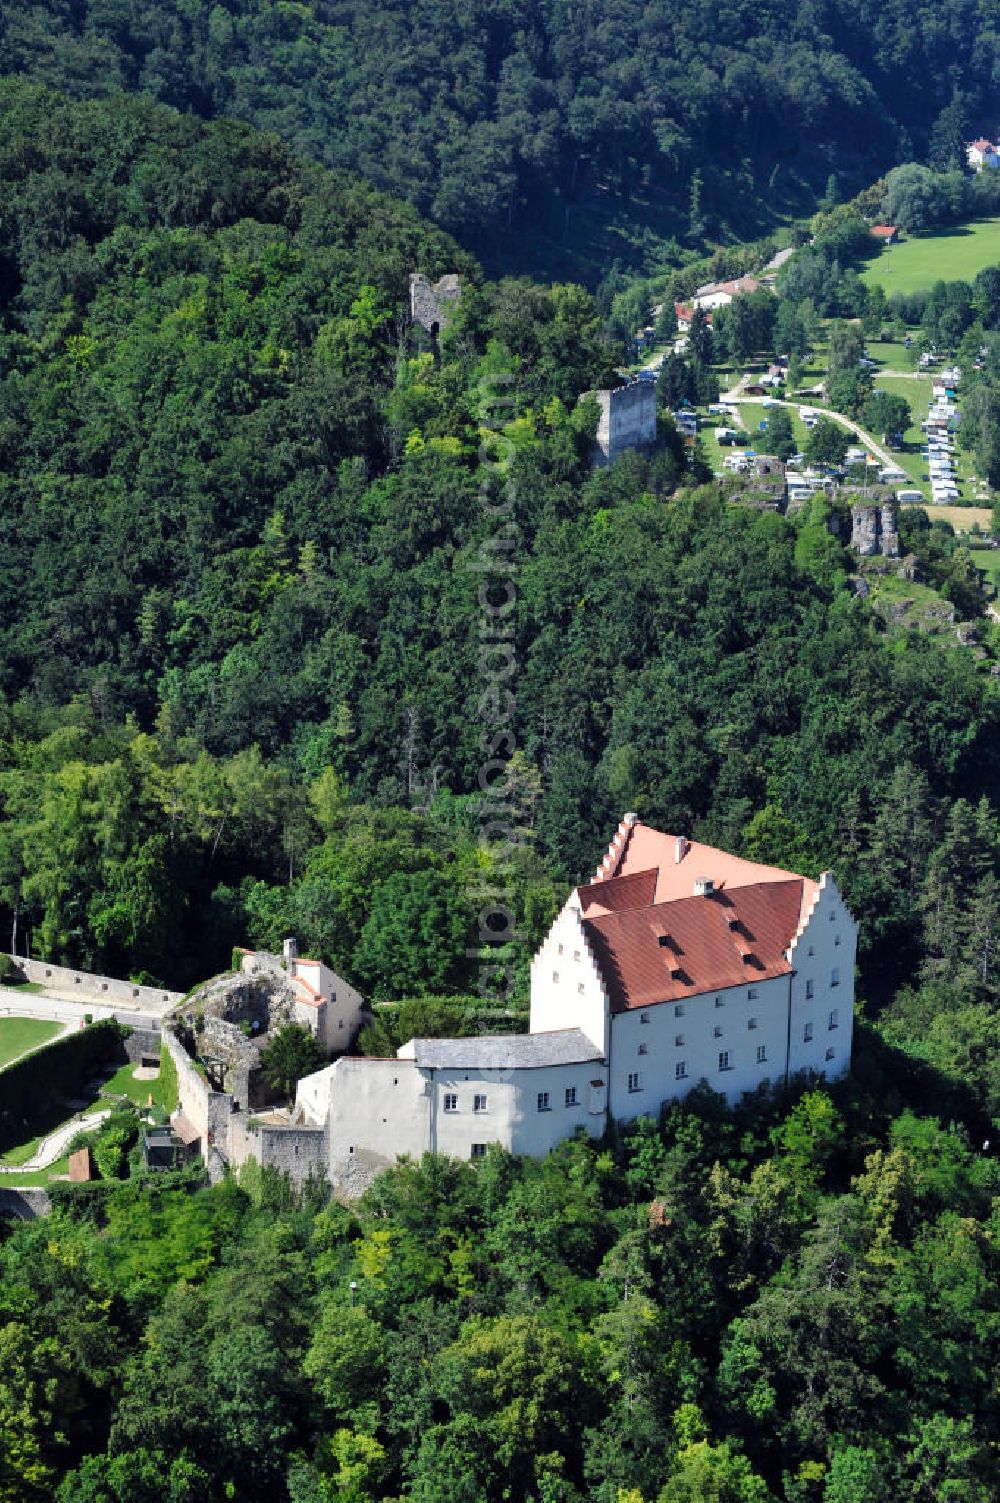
[[618, 132], [797, 1302]]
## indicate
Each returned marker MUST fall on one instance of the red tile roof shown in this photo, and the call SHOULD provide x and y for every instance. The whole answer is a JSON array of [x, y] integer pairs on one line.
[[883, 231], [635, 891], [685, 946], [655, 940], [641, 848]]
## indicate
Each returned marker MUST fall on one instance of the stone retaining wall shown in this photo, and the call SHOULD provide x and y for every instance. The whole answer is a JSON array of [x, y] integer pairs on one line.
[[25, 1204]]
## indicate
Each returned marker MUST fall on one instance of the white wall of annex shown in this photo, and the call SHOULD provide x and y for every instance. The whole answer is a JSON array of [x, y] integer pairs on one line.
[[511, 1115], [377, 1110]]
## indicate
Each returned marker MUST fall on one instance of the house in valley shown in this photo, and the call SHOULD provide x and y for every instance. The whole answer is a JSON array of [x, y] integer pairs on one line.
[[982, 154]]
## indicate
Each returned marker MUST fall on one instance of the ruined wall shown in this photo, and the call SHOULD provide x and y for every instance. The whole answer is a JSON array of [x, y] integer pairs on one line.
[[208, 1111], [873, 530], [300, 1152], [627, 420]]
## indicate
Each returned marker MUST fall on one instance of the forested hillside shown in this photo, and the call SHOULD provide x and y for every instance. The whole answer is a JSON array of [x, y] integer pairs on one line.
[[240, 654], [604, 129]]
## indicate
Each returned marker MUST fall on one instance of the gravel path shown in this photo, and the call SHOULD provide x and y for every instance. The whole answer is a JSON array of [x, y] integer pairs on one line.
[[52, 1147]]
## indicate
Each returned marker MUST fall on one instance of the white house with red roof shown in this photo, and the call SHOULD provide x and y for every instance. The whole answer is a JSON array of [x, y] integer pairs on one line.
[[676, 963], [982, 153], [685, 963]]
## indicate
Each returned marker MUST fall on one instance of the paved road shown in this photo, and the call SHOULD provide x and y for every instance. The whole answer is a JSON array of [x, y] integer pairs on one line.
[[17, 1003], [53, 1147], [736, 396]]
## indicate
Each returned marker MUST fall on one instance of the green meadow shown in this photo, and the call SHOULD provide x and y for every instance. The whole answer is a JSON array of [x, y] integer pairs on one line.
[[951, 255]]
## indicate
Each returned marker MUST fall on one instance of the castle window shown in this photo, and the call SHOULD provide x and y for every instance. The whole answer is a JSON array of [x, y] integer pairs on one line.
[[635, 1081], [717, 1032], [478, 1151], [680, 1070], [834, 1018], [809, 989], [752, 994], [751, 1024], [719, 1002], [643, 1048], [810, 950], [761, 1053], [576, 955], [450, 1102], [560, 949], [555, 975], [644, 1017], [679, 1040], [724, 1060], [579, 987], [571, 1095], [835, 977], [807, 1033], [830, 1053], [544, 1104], [679, 1010], [836, 939], [479, 1103]]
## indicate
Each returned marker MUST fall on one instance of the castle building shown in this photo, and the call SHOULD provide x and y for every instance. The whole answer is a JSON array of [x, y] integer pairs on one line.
[[677, 963]]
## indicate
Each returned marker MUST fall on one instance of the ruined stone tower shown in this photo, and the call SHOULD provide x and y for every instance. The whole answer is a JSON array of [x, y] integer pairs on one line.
[[873, 530], [432, 303]]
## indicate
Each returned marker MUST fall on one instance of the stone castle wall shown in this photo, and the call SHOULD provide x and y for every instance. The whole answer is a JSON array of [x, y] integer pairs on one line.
[[84, 984], [432, 303]]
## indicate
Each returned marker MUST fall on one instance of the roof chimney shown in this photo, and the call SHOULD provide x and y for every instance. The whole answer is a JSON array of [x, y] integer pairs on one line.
[[703, 887], [680, 849], [290, 951]]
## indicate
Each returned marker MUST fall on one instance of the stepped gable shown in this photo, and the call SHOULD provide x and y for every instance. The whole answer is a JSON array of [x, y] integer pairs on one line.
[[696, 944]]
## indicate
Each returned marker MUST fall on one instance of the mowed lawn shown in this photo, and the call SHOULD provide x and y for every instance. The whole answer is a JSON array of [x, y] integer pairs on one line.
[[18, 1035], [953, 255]]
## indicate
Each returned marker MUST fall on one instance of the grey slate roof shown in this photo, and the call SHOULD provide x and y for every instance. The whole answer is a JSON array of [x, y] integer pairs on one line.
[[504, 1051]]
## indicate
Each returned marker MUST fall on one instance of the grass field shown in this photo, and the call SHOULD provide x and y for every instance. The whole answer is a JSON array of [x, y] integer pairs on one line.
[[961, 517], [953, 255], [988, 559], [123, 1083], [18, 1035]]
